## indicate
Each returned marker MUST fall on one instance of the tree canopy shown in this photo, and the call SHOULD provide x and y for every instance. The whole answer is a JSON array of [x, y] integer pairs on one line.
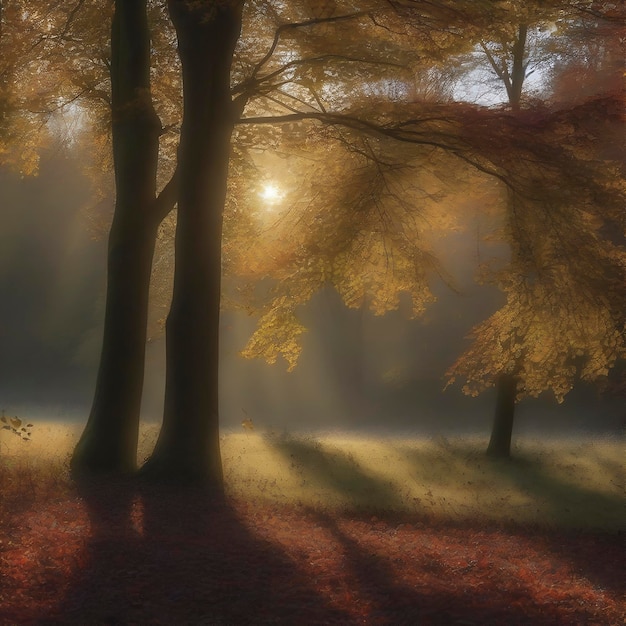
[[356, 103]]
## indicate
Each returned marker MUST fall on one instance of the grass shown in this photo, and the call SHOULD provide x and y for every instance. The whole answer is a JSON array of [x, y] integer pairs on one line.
[[562, 483]]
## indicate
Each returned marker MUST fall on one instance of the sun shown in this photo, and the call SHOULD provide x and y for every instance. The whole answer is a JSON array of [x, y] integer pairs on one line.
[[271, 193]]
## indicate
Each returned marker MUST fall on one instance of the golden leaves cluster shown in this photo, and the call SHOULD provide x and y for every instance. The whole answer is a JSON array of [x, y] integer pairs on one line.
[[357, 220], [547, 339], [565, 285]]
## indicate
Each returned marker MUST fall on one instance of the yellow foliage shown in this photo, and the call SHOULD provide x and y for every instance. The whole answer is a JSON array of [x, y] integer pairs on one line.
[[277, 335]]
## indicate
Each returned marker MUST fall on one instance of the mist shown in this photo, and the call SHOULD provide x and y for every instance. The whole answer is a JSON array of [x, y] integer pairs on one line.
[[52, 291], [357, 372]]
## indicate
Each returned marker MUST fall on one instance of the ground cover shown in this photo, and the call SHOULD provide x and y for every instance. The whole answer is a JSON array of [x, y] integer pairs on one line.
[[319, 530]]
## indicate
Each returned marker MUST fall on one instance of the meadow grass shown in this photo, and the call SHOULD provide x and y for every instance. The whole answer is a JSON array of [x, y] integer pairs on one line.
[[563, 483]]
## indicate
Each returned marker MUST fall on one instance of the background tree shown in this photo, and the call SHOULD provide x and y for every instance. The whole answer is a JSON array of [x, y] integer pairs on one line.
[[23, 87], [557, 308]]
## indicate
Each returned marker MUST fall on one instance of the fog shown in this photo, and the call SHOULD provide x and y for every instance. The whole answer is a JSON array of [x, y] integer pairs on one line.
[[357, 372]]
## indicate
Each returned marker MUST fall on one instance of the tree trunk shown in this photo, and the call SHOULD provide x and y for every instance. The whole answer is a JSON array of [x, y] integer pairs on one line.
[[518, 71], [188, 445], [506, 384], [502, 430], [109, 441]]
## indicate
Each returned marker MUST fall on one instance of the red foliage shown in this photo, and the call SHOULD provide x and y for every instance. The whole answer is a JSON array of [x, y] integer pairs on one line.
[[112, 555]]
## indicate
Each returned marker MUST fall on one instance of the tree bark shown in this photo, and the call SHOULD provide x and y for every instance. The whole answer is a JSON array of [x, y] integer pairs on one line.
[[502, 430], [109, 441], [506, 384], [188, 445], [518, 71]]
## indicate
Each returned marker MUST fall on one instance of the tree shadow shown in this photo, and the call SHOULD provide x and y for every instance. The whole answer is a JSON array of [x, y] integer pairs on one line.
[[332, 468], [99, 592], [166, 555], [575, 529], [600, 558], [610, 466], [569, 505], [393, 601]]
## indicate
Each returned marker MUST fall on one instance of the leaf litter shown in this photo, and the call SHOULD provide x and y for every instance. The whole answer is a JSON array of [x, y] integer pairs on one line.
[[118, 554]]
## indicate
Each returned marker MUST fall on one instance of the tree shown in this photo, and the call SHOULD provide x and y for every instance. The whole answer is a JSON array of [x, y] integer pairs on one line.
[[188, 445], [510, 61], [561, 196], [593, 63], [109, 441], [118, 389], [552, 314]]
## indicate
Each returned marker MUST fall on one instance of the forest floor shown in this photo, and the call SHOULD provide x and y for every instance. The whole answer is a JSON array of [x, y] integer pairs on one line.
[[320, 530]]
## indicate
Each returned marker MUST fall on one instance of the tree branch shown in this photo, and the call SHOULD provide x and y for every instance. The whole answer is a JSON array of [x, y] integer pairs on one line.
[[167, 199], [294, 25]]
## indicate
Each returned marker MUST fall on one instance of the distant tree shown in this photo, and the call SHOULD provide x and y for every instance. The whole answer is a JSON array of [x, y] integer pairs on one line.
[[563, 318], [558, 317], [593, 63]]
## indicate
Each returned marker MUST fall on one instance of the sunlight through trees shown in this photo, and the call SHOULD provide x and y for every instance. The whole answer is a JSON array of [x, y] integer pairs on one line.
[[337, 154]]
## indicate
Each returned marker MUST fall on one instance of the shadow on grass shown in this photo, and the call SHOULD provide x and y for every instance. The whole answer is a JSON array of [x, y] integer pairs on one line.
[[329, 467], [576, 510], [393, 601], [565, 503], [174, 556], [570, 505], [573, 515]]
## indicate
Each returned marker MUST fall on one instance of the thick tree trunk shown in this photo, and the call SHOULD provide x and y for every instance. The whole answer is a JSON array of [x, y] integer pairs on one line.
[[502, 430], [109, 441], [188, 445]]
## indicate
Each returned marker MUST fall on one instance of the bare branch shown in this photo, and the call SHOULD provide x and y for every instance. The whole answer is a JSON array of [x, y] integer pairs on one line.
[[70, 19], [295, 25]]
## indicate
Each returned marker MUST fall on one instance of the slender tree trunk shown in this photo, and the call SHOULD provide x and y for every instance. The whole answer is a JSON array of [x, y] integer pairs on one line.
[[188, 445], [502, 430], [518, 70], [506, 384], [109, 441]]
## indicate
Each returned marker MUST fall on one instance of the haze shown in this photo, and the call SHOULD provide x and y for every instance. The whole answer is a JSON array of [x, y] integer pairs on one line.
[[357, 372]]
